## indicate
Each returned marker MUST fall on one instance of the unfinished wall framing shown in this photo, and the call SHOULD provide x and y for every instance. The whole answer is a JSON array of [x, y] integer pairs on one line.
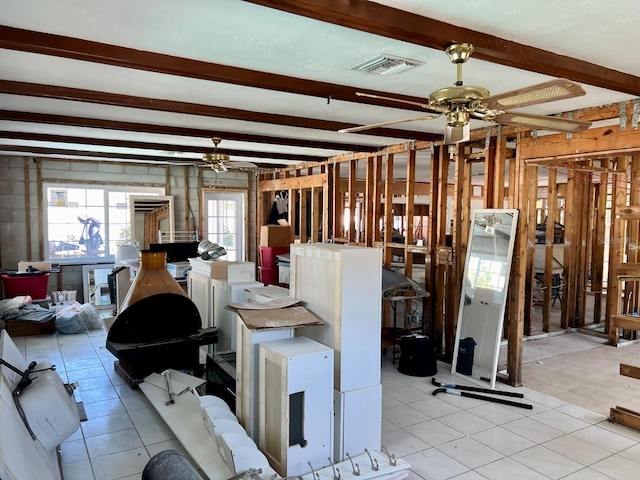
[[542, 176]]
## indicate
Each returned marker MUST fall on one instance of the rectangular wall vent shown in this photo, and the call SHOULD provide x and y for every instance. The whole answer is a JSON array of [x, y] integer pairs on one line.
[[384, 64]]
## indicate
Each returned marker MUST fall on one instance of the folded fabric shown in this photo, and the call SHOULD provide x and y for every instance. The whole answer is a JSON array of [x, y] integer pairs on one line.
[[30, 313]]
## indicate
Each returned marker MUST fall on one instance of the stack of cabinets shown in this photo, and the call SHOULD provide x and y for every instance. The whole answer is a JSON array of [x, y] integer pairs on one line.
[[342, 285], [247, 357], [213, 285]]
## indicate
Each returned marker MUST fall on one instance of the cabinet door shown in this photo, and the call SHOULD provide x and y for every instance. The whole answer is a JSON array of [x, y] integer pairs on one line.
[[199, 292]]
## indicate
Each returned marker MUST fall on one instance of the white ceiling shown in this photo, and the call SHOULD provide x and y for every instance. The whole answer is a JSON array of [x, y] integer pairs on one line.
[[254, 37]]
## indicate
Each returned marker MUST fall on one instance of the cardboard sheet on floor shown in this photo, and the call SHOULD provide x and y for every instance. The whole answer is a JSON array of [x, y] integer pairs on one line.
[[277, 318]]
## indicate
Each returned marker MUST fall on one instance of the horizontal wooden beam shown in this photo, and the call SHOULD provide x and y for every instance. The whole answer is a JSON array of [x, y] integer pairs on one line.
[[293, 183], [410, 27], [626, 322], [593, 142], [171, 147], [173, 106], [68, 120], [74, 48]]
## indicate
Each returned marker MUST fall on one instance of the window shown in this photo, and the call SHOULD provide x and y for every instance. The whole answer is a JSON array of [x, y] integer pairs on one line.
[[224, 221], [87, 223]]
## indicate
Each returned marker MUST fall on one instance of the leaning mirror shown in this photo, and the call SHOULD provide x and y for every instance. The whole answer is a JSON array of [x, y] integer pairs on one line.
[[152, 219], [484, 295]]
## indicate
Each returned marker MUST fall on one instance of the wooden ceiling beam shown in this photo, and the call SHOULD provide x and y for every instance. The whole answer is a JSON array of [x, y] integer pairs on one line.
[[77, 49], [165, 160], [171, 147], [73, 121], [409, 27], [157, 104]]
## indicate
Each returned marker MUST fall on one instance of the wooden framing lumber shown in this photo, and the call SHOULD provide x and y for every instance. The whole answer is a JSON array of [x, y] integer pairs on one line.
[[625, 416], [594, 142], [630, 371], [388, 211]]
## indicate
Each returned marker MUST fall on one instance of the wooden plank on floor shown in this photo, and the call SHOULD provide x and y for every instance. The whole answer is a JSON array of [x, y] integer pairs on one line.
[[629, 371], [626, 417]]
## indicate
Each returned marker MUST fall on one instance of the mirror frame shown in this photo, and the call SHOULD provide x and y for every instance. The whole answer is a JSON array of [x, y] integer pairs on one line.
[[485, 376], [132, 216]]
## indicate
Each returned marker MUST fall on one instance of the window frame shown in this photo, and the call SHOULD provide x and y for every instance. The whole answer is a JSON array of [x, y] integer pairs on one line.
[[106, 189], [242, 194]]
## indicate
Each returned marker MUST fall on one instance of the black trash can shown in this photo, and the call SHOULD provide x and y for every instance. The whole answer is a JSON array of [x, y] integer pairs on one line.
[[417, 356], [466, 349]]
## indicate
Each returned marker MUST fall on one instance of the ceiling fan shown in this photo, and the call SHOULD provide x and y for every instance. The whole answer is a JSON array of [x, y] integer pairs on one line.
[[220, 162], [461, 103]]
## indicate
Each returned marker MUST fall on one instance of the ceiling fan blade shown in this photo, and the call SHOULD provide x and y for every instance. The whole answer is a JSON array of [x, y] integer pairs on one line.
[[542, 122], [456, 134], [551, 91], [241, 165], [391, 122], [426, 106]]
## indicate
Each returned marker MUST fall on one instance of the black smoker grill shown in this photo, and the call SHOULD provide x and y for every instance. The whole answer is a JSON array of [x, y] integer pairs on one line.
[[158, 326]]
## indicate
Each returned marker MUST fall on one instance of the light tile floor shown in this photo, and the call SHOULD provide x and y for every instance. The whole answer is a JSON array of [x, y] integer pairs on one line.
[[571, 381]]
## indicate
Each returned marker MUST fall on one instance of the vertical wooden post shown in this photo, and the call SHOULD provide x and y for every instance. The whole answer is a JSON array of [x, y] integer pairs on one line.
[[351, 198], [377, 197], [500, 154], [616, 238], [316, 214], [582, 267], [461, 225], [516, 304], [489, 174], [388, 211], [328, 205], [598, 241], [409, 212], [552, 204], [369, 203], [338, 203], [431, 277], [530, 232], [302, 223]]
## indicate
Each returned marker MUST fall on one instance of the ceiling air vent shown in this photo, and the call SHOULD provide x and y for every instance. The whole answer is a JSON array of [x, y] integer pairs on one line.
[[385, 65]]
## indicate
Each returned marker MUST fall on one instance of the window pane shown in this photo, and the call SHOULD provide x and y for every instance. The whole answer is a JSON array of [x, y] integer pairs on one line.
[[88, 223]]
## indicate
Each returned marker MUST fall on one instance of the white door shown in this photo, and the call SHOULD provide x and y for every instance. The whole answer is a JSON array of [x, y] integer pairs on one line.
[[224, 214]]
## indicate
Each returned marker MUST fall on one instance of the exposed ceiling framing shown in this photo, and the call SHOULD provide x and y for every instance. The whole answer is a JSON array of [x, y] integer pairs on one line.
[[154, 81]]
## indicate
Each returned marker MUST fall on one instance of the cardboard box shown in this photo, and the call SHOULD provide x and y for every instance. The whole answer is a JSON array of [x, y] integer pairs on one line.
[[275, 236], [224, 269], [178, 269]]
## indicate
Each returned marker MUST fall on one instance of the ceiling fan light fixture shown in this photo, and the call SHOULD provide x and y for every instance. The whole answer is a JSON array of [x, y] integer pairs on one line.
[[458, 117], [459, 52], [216, 159]]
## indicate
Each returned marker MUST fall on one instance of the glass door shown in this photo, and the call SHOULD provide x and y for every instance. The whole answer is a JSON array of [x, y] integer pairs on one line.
[[224, 221]]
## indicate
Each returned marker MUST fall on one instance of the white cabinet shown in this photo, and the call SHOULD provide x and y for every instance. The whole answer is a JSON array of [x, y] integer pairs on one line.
[[296, 403], [224, 293], [342, 285], [95, 284], [211, 295], [247, 364], [359, 426]]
